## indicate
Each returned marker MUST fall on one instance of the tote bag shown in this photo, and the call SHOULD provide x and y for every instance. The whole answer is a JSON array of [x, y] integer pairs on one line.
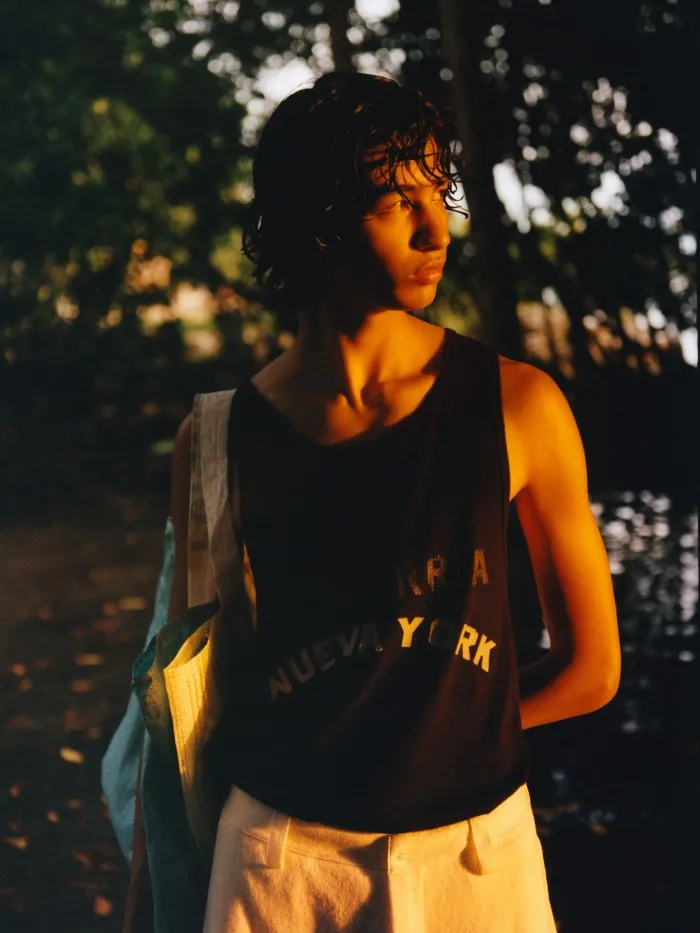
[[175, 705]]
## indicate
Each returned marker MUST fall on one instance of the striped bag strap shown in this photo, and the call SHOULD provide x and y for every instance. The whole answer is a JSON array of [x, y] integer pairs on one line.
[[212, 544]]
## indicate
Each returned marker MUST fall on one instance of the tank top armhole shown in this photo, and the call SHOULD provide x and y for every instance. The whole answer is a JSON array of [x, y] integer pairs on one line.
[[500, 425]]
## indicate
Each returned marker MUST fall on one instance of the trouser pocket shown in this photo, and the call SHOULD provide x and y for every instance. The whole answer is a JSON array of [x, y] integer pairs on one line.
[[489, 844]]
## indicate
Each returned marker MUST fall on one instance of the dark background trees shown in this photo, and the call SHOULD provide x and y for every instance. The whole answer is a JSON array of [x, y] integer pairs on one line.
[[126, 144]]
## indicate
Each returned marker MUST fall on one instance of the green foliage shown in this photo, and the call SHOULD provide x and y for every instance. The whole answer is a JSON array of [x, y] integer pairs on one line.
[[123, 138], [110, 147]]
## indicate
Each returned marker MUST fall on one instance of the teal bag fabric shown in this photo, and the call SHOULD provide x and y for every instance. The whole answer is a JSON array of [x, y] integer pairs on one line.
[[120, 763], [179, 875]]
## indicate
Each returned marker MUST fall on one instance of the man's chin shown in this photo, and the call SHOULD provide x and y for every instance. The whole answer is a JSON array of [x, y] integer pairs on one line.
[[413, 299]]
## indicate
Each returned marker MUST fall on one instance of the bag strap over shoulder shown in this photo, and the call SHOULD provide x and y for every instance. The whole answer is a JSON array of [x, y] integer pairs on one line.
[[212, 545]]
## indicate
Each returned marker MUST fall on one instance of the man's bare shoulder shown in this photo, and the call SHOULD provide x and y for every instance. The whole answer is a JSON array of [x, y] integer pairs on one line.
[[272, 379], [526, 387], [536, 411], [515, 370], [540, 417]]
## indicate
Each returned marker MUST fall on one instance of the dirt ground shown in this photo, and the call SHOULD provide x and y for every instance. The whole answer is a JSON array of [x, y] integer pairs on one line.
[[75, 605]]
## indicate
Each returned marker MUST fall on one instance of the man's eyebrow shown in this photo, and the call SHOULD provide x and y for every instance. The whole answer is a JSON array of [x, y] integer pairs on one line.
[[386, 188]]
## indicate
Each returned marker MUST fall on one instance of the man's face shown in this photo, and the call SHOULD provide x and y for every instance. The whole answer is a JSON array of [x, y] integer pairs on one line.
[[398, 234]]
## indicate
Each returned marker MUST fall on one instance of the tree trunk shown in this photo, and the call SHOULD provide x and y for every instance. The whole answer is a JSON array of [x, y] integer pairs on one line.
[[463, 27], [341, 47]]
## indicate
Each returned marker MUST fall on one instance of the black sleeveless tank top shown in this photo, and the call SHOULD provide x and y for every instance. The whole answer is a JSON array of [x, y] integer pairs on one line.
[[381, 690]]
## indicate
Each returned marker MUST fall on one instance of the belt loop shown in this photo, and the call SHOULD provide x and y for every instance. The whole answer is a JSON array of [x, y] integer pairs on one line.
[[277, 842]]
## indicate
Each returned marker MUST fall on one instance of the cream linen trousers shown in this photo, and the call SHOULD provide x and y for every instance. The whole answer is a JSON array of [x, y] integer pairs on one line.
[[275, 874]]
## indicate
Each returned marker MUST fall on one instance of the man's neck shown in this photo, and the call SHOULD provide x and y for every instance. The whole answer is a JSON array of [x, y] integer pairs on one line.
[[348, 364]]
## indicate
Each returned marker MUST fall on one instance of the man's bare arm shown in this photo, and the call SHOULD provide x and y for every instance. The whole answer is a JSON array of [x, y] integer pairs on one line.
[[581, 672], [179, 512]]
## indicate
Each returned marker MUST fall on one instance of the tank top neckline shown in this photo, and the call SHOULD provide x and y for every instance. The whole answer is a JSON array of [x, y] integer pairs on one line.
[[361, 441]]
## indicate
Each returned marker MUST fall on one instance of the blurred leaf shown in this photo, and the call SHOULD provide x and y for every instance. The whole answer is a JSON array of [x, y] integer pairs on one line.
[[82, 685], [102, 907], [107, 625], [83, 859], [162, 448], [22, 722], [73, 721], [18, 842], [97, 576], [132, 603], [89, 660]]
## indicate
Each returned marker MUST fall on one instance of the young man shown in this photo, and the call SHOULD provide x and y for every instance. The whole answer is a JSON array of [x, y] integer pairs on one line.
[[378, 765]]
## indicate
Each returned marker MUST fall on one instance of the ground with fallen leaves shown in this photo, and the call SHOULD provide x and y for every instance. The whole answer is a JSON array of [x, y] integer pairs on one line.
[[74, 610]]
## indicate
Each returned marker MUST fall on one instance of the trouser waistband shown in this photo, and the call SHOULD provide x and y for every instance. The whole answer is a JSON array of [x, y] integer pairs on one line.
[[475, 839]]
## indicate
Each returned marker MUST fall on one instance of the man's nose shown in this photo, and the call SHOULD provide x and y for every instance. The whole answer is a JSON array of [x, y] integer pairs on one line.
[[434, 230]]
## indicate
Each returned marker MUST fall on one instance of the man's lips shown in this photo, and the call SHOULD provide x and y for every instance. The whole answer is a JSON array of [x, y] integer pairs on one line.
[[429, 272]]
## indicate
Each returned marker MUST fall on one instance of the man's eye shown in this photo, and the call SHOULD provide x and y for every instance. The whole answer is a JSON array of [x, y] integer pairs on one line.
[[401, 204], [392, 206]]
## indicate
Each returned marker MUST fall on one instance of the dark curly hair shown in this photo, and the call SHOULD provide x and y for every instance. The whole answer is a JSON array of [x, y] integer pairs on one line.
[[310, 178]]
